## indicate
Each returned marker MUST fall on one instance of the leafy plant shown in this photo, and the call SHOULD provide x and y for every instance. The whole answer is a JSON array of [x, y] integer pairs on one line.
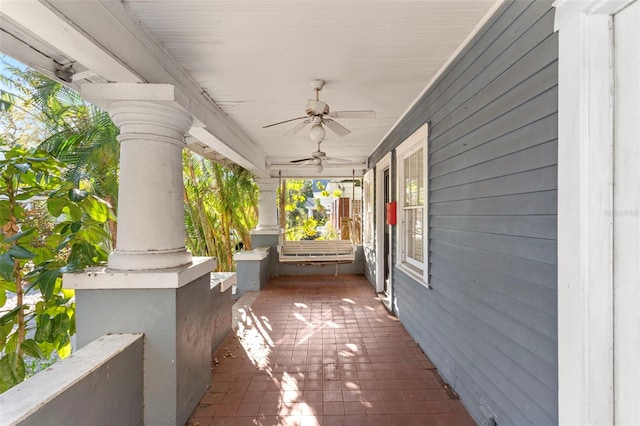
[[300, 224], [53, 117], [221, 208], [36, 247]]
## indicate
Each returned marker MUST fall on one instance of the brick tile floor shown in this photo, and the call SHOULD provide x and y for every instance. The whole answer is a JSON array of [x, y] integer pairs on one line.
[[323, 351]]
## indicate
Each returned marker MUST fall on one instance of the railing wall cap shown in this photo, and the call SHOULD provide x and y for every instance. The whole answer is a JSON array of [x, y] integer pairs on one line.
[[104, 278], [223, 280], [255, 254], [21, 401]]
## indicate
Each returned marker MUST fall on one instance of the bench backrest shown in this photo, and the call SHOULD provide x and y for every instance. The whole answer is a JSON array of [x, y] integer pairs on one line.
[[317, 247]]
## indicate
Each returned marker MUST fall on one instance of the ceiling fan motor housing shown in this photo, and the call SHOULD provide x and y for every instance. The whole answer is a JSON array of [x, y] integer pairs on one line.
[[311, 111]]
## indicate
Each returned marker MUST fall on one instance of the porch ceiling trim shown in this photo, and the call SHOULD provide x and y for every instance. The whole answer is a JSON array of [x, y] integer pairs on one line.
[[102, 36]]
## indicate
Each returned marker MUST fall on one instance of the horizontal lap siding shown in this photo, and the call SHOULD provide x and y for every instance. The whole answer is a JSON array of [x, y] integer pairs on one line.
[[490, 322]]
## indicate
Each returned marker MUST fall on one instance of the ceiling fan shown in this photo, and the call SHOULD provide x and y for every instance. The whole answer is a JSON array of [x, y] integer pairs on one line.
[[318, 113], [317, 158]]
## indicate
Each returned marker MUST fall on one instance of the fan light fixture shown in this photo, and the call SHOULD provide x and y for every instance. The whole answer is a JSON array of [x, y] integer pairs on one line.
[[317, 133], [318, 113], [318, 167]]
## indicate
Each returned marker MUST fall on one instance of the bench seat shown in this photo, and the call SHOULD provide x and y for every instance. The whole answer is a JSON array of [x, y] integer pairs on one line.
[[315, 252]]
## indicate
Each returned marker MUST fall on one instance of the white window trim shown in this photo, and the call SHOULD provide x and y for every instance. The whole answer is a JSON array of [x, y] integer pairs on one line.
[[413, 143]]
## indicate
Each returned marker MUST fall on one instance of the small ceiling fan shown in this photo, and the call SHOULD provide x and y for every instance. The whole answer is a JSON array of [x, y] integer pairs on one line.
[[318, 113], [317, 158]]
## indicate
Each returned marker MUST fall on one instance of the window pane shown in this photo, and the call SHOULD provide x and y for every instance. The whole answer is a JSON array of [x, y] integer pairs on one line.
[[413, 179], [413, 234], [421, 167], [410, 222], [407, 181], [418, 235]]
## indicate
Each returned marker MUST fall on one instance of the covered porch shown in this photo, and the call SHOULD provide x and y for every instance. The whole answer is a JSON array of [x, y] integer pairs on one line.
[[496, 131]]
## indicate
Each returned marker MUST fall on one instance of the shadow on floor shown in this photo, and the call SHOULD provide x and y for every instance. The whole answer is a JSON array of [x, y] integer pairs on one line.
[[323, 350]]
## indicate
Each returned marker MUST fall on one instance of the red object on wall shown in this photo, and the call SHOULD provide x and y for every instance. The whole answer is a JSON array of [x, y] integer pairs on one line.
[[391, 213]]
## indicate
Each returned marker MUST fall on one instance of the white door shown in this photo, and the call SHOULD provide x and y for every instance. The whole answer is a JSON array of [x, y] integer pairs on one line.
[[626, 215]]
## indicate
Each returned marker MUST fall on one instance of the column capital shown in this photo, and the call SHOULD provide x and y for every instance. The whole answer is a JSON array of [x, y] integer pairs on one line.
[[139, 120], [105, 94], [267, 184]]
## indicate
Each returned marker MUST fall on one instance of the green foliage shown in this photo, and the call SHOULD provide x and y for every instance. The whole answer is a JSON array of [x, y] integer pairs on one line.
[[48, 227], [221, 208], [300, 225], [54, 118]]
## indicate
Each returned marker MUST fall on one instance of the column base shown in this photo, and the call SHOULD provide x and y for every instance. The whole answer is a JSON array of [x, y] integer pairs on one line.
[[124, 260], [266, 231], [173, 311]]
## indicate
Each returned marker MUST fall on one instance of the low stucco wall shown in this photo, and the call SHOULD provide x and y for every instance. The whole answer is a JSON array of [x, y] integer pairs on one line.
[[100, 384], [221, 310]]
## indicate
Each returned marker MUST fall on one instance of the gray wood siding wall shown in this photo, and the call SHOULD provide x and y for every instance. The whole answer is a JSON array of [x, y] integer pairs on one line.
[[490, 322]]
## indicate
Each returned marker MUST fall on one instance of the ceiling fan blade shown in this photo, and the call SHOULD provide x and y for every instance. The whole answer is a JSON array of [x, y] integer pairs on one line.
[[353, 114], [337, 160], [302, 160], [282, 122], [317, 107], [308, 162], [335, 127], [298, 127]]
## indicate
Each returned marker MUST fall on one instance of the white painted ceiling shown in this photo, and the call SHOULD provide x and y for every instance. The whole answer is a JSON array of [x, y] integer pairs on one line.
[[256, 59]]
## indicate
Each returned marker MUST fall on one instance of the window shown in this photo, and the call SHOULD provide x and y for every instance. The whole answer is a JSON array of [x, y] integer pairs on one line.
[[411, 157], [367, 195]]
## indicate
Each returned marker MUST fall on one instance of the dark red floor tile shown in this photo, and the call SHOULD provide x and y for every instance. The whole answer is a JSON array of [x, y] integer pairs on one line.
[[353, 407], [248, 410], [357, 420], [451, 419], [244, 421], [424, 419], [337, 354], [334, 421], [221, 421], [226, 410], [438, 407], [207, 411]]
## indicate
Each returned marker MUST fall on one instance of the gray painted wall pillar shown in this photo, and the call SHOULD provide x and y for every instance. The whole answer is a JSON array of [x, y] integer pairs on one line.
[[172, 309], [269, 238], [252, 267]]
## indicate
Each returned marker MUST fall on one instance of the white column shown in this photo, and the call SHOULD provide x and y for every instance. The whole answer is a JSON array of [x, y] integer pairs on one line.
[[267, 208], [174, 311], [151, 231]]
